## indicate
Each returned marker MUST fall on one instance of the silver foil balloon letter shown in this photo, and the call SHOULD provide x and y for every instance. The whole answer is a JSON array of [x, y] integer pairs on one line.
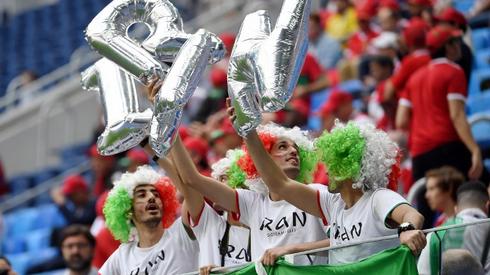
[[265, 65], [178, 87], [127, 121]]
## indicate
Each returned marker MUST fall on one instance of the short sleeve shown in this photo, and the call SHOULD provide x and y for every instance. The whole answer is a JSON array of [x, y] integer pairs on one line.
[[209, 218], [457, 87], [405, 99], [400, 78], [187, 244], [325, 203], [247, 202], [384, 202], [111, 265]]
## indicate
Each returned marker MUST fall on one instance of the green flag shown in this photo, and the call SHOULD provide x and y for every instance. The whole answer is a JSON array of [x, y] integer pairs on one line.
[[398, 260]]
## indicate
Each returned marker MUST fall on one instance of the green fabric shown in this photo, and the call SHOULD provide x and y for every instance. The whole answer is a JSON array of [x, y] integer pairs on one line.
[[398, 260], [448, 239]]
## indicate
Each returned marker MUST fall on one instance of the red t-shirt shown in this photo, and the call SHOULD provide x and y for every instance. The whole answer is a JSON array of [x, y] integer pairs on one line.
[[410, 64], [427, 94]]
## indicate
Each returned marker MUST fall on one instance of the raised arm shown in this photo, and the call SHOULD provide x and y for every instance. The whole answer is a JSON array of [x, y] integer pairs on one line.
[[193, 200], [278, 182], [210, 188], [270, 255]]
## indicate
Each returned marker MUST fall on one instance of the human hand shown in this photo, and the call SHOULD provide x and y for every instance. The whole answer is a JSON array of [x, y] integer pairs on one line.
[[153, 87], [230, 110], [414, 239], [476, 168], [57, 196], [270, 255], [205, 270], [300, 91]]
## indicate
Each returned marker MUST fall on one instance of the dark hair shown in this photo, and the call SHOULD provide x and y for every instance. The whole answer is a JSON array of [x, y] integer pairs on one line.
[[383, 61], [76, 230], [315, 17], [448, 179], [473, 193]]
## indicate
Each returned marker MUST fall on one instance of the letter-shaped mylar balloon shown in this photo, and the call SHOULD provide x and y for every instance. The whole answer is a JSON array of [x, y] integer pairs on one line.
[[127, 120], [107, 33], [264, 66], [179, 85]]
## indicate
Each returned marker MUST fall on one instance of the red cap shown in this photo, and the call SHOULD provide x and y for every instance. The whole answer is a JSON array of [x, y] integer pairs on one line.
[[415, 32], [453, 16], [93, 152], [336, 98], [218, 77], [183, 132], [364, 14], [439, 35], [425, 3], [390, 4], [74, 183], [198, 145], [138, 155], [228, 39]]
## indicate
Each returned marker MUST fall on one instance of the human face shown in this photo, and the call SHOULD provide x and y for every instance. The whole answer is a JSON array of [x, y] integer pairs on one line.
[[285, 153], [77, 253], [453, 49], [147, 206], [313, 30], [436, 197]]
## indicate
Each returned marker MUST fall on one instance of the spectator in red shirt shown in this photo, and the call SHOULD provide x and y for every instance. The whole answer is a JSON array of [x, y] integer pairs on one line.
[[421, 9], [432, 108], [413, 38], [453, 18], [380, 69]]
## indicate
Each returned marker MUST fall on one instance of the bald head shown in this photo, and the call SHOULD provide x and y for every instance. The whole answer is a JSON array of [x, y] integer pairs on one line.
[[460, 261]]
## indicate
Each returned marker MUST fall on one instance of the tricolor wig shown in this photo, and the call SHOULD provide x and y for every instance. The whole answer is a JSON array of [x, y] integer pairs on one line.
[[269, 134], [119, 205], [361, 153], [228, 165]]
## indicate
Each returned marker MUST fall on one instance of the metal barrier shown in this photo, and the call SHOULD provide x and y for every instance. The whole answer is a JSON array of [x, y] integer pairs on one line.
[[378, 239]]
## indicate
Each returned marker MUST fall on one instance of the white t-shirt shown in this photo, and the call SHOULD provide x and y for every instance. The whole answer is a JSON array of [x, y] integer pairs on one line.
[[175, 253], [277, 223], [364, 220], [209, 232]]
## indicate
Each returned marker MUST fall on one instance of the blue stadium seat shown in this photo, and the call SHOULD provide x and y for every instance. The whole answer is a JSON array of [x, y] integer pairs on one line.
[[13, 245], [480, 39], [38, 240], [43, 255], [44, 175], [478, 103], [482, 58], [52, 217], [20, 262], [20, 183], [22, 221], [480, 127], [463, 5], [480, 79]]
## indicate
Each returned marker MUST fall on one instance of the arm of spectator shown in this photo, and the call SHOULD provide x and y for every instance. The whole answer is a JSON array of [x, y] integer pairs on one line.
[[210, 188], [414, 239], [270, 255], [320, 83], [460, 122], [389, 91], [278, 182], [193, 200], [403, 116]]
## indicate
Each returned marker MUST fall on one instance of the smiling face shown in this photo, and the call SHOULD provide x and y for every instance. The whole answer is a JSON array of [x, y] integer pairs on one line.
[[147, 205], [285, 154]]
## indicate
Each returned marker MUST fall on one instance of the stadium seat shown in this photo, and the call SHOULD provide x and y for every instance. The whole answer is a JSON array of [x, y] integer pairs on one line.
[[482, 59], [20, 222], [480, 39], [43, 255], [20, 262], [463, 5], [20, 183], [38, 240], [478, 103], [13, 245], [479, 82], [52, 217], [480, 127]]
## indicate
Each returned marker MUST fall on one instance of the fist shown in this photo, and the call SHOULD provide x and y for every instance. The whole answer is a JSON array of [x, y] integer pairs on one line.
[[414, 239]]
